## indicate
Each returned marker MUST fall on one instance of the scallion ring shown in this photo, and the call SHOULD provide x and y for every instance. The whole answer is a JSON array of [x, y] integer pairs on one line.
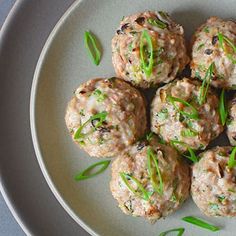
[[146, 60], [232, 161], [126, 177], [222, 38], [222, 108], [180, 232], [101, 117], [158, 23], [192, 115], [92, 48], [206, 83], [200, 223], [86, 174], [152, 158], [192, 156]]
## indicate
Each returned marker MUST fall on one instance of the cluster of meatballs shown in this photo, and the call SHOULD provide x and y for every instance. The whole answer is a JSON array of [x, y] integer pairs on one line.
[[108, 117]]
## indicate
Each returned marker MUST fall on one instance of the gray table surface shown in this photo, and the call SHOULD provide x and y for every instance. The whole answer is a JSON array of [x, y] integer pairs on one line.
[[8, 225]]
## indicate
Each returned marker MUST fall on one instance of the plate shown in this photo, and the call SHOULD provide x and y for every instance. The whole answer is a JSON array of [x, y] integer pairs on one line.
[[62, 67]]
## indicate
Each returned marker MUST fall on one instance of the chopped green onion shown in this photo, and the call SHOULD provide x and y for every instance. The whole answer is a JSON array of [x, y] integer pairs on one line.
[[92, 48], [86, 174], [189, 133], [205, 84], [232, 161], [206, 30], [125, 177], [179, 230], [156, 22], [152, 158], [99, 95], [222, 38], [146, 63], [149, 136], [200, 223], [222, 108], [174, 142], [101, 117], [192, 115], [192, 156]]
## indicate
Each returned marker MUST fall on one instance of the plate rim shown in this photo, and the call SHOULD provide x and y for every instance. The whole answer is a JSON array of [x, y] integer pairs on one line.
[[5, 195], [32, 111]]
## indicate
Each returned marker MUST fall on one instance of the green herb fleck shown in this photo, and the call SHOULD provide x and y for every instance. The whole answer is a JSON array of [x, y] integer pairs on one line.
[[163, 114], [206, 30], [99, 95], [82, 112]]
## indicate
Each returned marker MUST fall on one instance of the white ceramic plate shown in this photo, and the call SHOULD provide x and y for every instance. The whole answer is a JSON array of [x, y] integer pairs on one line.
[[64, 65]]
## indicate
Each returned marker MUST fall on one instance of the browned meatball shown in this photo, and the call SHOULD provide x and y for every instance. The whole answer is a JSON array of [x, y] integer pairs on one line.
[[169, 52], [166, 191], [104, 116], [207, 49], [213, 183]]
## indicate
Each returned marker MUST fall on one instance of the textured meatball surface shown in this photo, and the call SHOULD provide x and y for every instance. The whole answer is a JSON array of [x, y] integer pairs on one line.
[[134, 162], [213, 183], [207, 49], [106, 113], [185, 123], [169, 52]]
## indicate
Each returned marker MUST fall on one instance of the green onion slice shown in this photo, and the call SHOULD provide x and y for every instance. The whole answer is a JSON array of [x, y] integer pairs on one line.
[[92, 48], [206, 83], [156, 22], [200, 223], [152, 158], [126, 177], [192, 156], [222, 108], [232, 161], [179, 230], [222, 38], [146, 57], [149, 136], [101, 117], [86, 174], [192, 115]]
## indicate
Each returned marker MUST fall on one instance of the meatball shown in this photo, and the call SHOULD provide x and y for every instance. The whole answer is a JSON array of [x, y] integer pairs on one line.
[[164, 188], [213, 43], [164, 52], [213, 183], [179, 119], [231, 123], [104, 116]]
